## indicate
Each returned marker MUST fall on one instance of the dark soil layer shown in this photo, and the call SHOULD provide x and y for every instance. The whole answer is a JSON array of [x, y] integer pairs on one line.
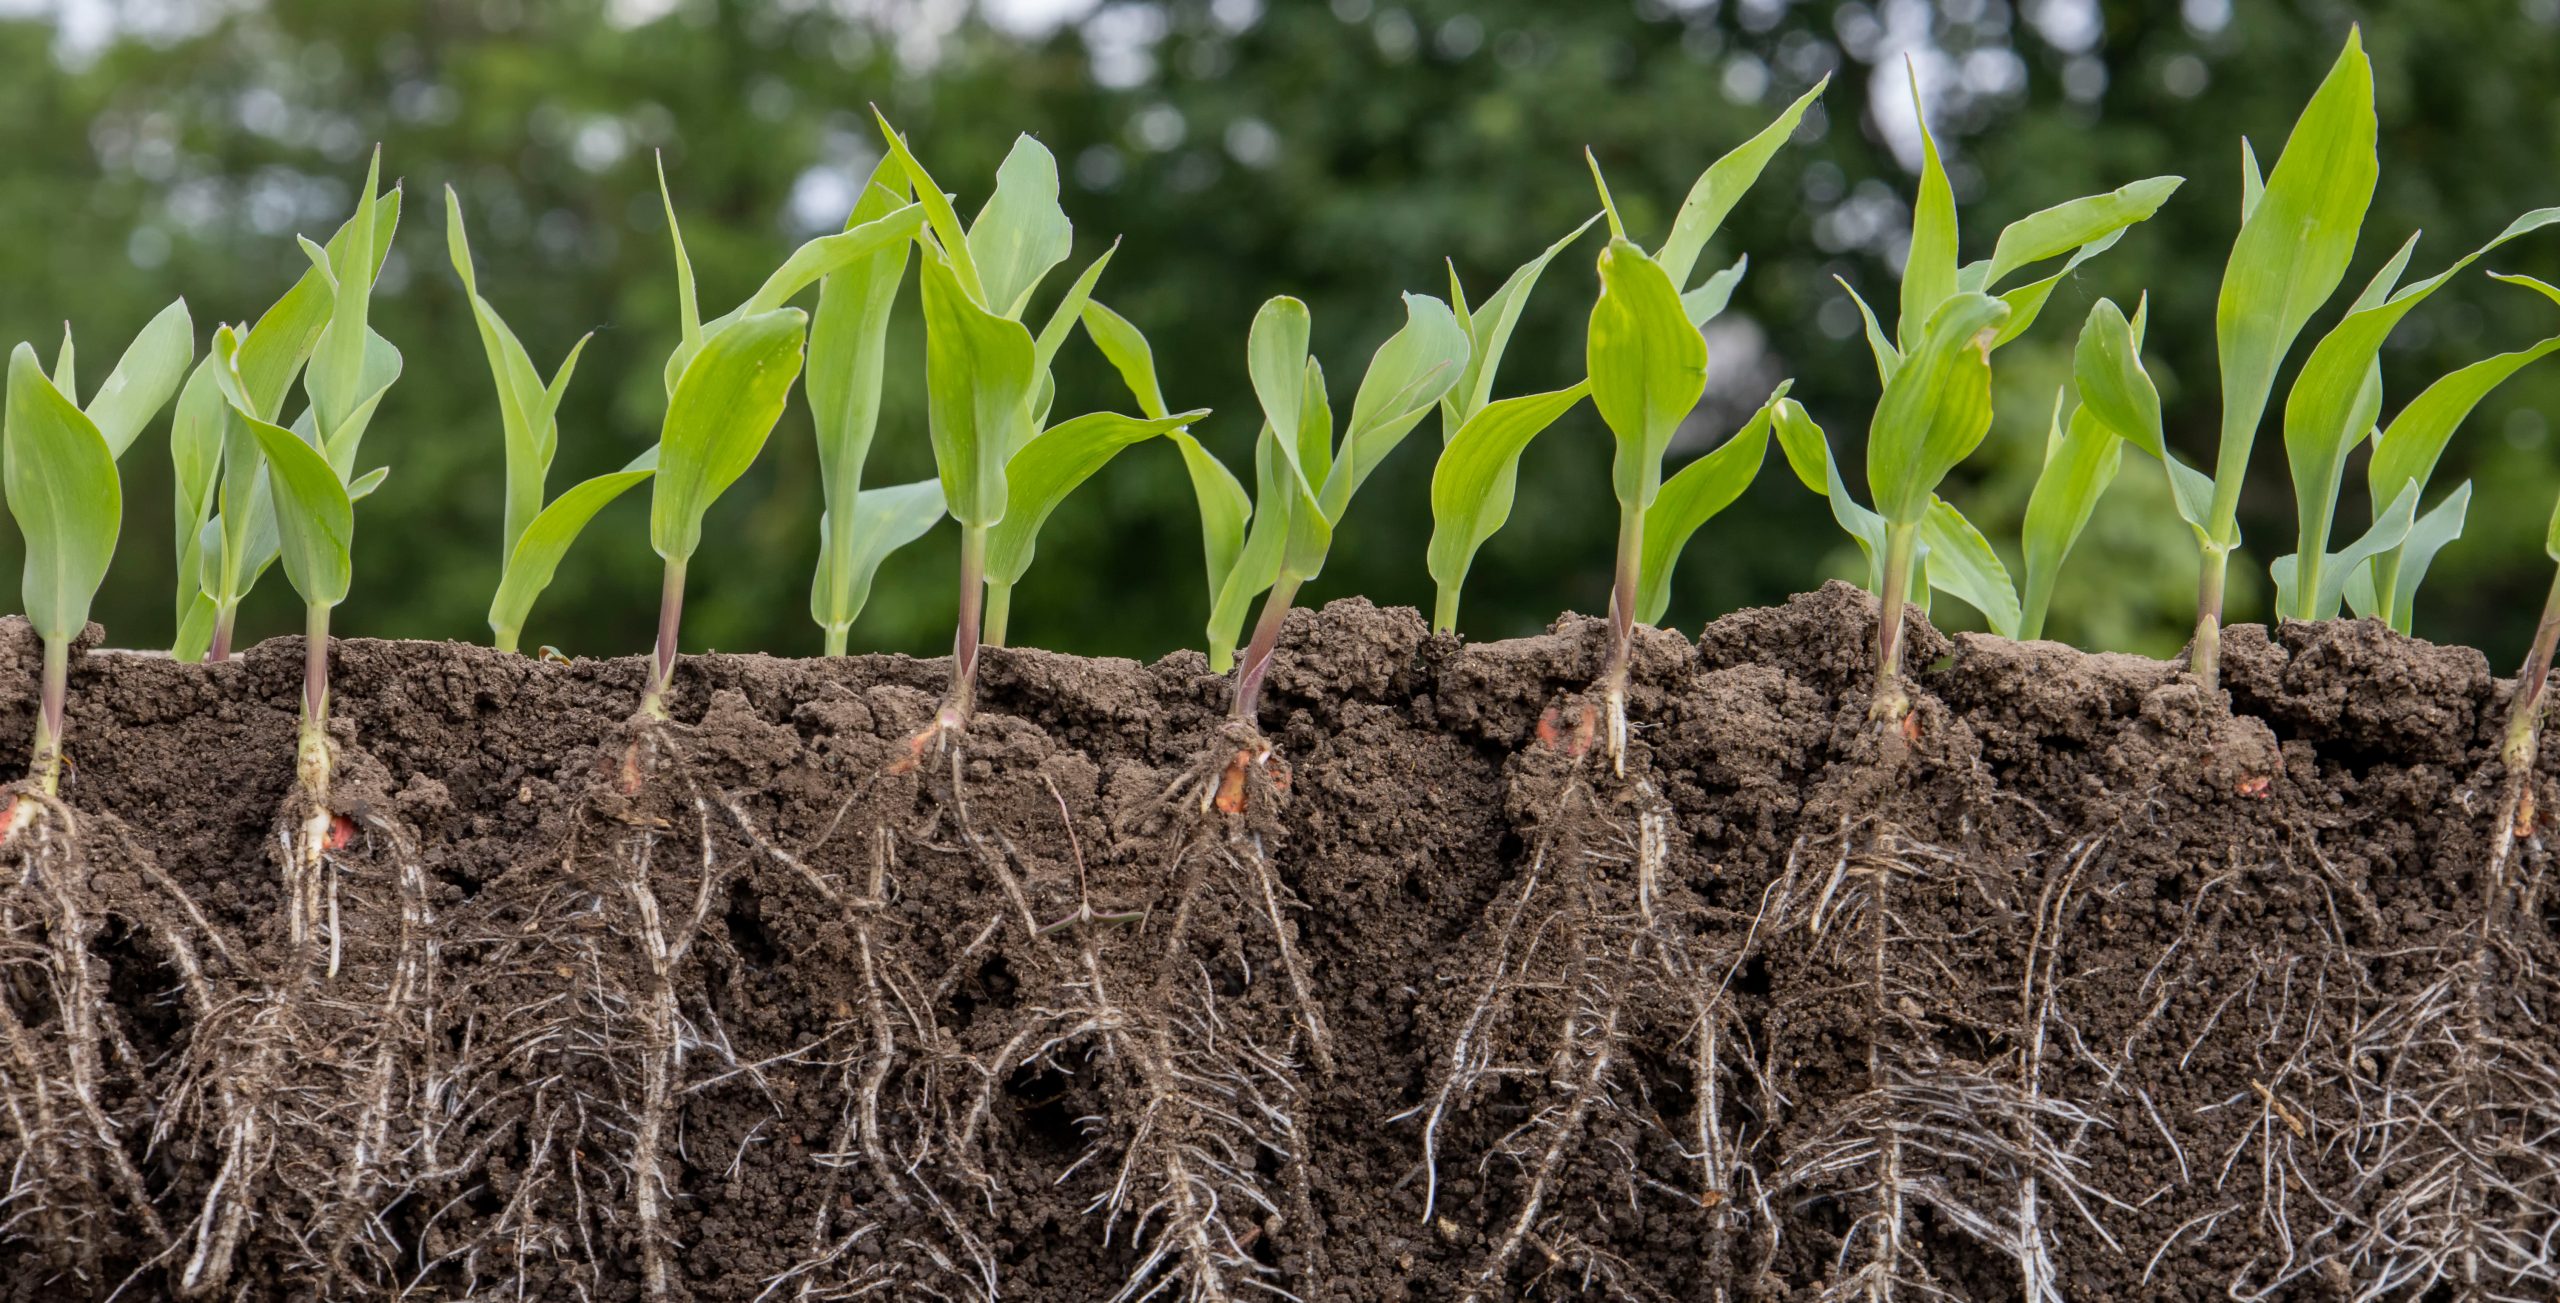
[[2102, 987]]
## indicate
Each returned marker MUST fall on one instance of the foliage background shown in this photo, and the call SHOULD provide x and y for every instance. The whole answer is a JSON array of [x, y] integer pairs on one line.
[[1333, 149]]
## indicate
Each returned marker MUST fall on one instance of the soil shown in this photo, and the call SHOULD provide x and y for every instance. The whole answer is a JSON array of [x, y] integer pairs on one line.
[[2098, 986]]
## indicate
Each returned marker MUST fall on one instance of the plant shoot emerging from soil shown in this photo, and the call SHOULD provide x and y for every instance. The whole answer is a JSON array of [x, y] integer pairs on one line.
[[63, 491], [988, 384], [311, 484], [1304, 478], [1936, 405], [1477, 477], [2297, 234], [727, 382], [537, 535]]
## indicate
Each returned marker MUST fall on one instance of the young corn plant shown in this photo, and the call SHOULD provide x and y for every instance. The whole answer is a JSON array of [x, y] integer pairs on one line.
[[1304, 477], [727, 382], [2298, 229], [1936, 405], [1001, 465], [848, 344], [1648, 369], [312, 488], [1477, 477], [71, 1178], [537, 535], [227, 532], [2333, 408], [64, 492]]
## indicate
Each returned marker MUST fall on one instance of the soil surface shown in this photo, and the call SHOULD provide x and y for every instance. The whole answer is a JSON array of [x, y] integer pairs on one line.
[[2098, 986]]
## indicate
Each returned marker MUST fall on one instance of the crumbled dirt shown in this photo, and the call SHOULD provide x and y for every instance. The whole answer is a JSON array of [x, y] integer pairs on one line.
[[2100, 987]]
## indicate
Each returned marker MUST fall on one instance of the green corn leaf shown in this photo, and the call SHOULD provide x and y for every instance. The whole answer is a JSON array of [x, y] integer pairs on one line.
[[538, 551], [1929, 272], [1692, 497], [382, 364], [1808, 453], [1053, 336], [2069, 226], [952, 238], [195, 630], [1257, 564], [1049, 468], [315, 520], [195, 456], [2026, 302], [2390, 528], [883, 229], [1722, 186], [2292, 252], [60, 478], [723, 409], [1224, 505], [979, 374], [1276, 363], [244, 504], [2081, 459], [1406, 378], [848, 347], [273, 352], [144, 378], [688, 305], [1648, 368], [1070, 310], [66, 371], [1888, 358], [1021, 233], [809, 265], [2338, 394], [1224, 508], [1125, 347], [337, 374], [520, 388], [1311, 454], [884, 520], [1959, 562], [1475, 480], [1714, 294], [2107, 367], [1608, 205], [1488, 331], [1936, 409], [2429, 536], [2407, 449], [2253, 183]]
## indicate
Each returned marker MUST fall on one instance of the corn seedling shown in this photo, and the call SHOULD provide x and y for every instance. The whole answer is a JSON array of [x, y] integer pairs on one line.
[[2332, 407], [2298, 229], [848, 343], [64, 492], [1473, 485], [537, 535], [309, 469], [1648, 369], [1936, 406], [2385, 587], [227, 533], [1304, 478], [1001, 466], [727, 381], [2081, 457]]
